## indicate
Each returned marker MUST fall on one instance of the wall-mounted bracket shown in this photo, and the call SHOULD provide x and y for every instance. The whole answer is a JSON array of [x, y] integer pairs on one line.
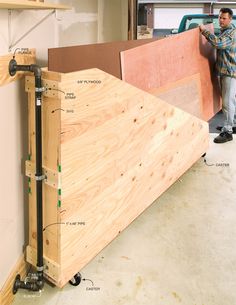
[[12, 44]]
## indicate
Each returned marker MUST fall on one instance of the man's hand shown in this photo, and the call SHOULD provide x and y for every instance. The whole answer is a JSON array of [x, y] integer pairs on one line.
[[202, 28]]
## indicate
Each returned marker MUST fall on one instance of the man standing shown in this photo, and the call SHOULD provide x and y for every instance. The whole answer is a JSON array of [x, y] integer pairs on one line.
[[225, 44]]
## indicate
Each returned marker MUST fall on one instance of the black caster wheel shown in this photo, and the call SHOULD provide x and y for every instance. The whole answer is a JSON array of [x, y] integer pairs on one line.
[[75, 281]]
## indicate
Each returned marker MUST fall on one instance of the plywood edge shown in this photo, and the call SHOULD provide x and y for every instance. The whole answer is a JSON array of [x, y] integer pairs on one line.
[[58, 76], [21, 59], [63, 77], [6, 294]]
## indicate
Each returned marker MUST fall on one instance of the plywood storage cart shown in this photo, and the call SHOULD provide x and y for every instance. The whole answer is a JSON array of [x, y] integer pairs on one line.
[[109, 150]]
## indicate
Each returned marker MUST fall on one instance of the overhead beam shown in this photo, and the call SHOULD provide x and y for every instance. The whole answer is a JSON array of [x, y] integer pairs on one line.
[[132, 19]]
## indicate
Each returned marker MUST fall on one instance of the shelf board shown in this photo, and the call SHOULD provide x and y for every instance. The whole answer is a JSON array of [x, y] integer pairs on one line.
[[24, 4]]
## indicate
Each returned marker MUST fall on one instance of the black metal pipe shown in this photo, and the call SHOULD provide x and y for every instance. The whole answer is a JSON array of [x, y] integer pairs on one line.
[[39, 282], [39, 173]]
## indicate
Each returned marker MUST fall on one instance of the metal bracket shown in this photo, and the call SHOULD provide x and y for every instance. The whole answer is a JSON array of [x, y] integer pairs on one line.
[[40, 178], [40, 268], [52, 88], [42, 89], [49, 176], [14, 43]]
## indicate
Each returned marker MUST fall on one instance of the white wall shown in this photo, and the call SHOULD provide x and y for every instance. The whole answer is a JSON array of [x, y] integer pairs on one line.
[[93, 21], [113, 20], [13, 136], [78, 26], [13, 148]]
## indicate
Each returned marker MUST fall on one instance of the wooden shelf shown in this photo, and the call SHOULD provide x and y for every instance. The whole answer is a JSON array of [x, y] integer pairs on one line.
[[24, 4]]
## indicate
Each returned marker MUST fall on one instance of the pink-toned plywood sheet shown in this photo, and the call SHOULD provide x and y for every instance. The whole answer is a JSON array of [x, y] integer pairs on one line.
[[185, 94], [166, 61]]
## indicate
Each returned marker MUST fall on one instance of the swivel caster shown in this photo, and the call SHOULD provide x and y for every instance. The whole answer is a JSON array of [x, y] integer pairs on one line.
[[75, 281]]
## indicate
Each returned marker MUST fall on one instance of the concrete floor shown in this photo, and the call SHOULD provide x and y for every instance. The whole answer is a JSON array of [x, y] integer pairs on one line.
[[182, 250]]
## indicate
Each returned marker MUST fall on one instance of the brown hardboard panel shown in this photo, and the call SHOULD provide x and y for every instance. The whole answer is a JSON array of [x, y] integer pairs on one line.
[[104, 56], [168, 60]]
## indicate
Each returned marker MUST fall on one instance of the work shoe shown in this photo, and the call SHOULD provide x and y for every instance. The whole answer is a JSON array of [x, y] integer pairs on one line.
[[223, 137], [220, 128]]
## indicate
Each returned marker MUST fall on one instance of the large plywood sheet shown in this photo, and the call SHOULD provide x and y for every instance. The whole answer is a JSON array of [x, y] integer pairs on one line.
[[117, 148], [168, 60], [104, 56]]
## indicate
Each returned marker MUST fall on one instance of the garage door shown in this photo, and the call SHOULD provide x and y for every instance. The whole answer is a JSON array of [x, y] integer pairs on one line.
[[169, 18]]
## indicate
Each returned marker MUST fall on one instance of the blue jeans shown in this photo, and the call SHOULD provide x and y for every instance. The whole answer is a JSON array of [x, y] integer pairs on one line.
[[228, 91]]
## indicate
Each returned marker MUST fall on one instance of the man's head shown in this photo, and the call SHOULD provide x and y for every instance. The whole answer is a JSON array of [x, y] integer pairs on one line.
[[225, 17]]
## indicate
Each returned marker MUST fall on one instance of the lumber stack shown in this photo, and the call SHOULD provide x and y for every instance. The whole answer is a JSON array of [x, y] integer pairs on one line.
[[154, 66], [109, 150]]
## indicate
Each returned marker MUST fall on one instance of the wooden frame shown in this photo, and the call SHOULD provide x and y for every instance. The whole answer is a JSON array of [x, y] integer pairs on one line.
[[110, 150]]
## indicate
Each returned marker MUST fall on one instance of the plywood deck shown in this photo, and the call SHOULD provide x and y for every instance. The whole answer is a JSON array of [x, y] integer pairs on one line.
[[114, 149]]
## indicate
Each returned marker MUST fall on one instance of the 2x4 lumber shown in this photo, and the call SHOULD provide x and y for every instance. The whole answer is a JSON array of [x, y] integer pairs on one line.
[[21, 58], [50, 161], [52, 269], [132, 26]]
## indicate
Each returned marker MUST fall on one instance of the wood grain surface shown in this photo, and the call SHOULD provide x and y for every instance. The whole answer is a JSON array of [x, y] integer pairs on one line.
[[118, 149]]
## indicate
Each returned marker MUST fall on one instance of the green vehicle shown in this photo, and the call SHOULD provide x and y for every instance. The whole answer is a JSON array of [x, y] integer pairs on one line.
[[189, 22]]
